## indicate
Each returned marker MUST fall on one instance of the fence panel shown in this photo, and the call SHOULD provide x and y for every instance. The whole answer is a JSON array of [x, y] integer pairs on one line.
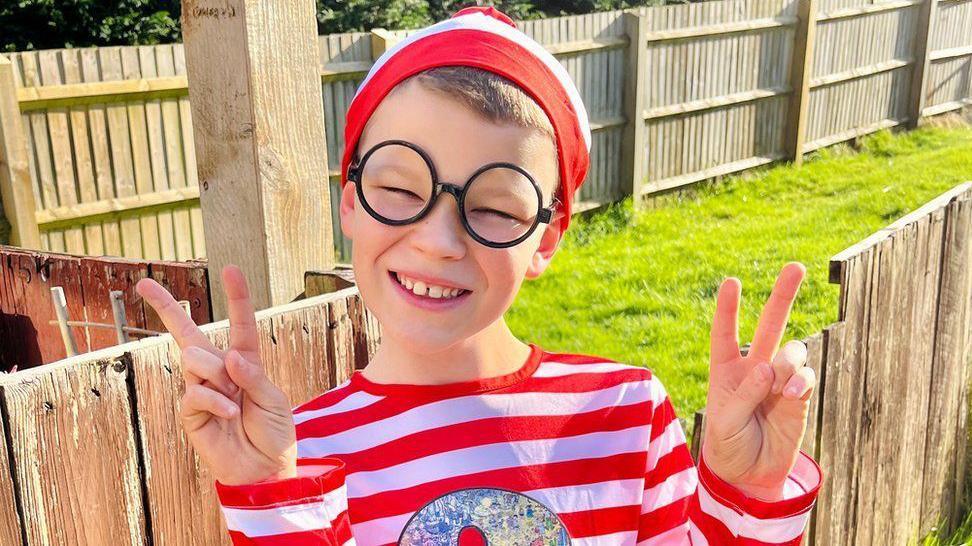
[[716, 95], [75, 453], [861, 74], [948, 84], [113, 166]]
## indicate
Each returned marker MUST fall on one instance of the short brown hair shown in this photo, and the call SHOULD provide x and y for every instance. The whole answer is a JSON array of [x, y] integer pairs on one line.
[[495, 97]]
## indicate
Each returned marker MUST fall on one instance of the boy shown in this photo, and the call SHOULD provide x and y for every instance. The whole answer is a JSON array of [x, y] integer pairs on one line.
[[456, 431]]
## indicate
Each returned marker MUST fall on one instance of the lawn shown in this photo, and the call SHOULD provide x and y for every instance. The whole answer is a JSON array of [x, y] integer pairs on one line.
[[640, 287]]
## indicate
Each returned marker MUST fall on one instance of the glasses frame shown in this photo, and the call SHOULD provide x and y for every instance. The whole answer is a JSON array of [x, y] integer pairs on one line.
[[544, 214]]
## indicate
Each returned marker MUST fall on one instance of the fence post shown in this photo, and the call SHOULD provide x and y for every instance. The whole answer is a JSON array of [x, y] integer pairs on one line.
[[258, 127], [923, 34], [381, 41], [15, 183], [800, 72], [633, 145]]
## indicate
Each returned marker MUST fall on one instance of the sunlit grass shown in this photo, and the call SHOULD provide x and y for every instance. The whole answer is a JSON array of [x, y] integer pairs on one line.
[[640, 288]]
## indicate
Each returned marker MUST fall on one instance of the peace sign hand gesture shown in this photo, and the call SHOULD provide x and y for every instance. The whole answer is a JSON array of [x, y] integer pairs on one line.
[[236, 419], [757, 404]]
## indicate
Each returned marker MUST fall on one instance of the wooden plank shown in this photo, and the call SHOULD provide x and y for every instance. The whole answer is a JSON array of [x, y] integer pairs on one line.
[[60, 142], [366, 331], [60, 216], [947, 430], [16, 189], [141, 159], [801, 66], [101, 153], [751, 25], [157, 155], [711, 103], [841, 404], [632, 158], [39, 141], [185, 281], [101, 276], [259, 130], [81, 148], [129, 89], [10, 527], [130, 233], [181, 499], [62, 419], [175, 157], [919, 74], [868, 9]]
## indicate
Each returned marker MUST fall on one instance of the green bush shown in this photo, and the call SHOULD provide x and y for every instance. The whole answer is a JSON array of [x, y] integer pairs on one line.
[[51, 24]]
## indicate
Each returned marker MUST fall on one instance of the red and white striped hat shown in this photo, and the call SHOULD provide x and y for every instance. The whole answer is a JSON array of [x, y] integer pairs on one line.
[[486, 38]]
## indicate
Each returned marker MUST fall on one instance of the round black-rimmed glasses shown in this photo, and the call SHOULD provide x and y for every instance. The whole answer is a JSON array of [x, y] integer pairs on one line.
[[500, 205]]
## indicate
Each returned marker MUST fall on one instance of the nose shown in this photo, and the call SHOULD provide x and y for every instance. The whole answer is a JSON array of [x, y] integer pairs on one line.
[[440, 233]]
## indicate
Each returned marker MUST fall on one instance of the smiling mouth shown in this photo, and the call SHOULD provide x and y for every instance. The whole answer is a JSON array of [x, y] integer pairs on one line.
[[427, 290]]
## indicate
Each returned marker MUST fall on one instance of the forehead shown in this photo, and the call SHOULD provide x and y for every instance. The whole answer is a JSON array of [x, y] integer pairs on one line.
[[458, 139]]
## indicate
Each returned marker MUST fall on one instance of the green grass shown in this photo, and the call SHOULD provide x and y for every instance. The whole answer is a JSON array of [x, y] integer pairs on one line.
[[640, 288]]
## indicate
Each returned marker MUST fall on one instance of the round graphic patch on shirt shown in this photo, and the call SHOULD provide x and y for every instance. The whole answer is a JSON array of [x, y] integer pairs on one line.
[[484, 517]]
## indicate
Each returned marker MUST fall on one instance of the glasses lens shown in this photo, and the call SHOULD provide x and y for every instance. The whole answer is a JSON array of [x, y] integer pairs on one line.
[[396, 182], [501, 205]]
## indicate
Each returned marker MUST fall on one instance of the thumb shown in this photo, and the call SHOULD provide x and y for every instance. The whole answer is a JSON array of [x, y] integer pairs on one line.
[[749, 395], [252, 379]]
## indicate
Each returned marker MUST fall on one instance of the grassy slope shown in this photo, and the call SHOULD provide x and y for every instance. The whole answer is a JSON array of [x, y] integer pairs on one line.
[[644, 293]]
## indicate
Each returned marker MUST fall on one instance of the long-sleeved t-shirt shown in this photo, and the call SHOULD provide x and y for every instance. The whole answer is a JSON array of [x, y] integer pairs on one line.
[[568, 449]]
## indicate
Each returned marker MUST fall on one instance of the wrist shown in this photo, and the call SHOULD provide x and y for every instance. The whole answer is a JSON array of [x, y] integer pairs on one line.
[[764, 493]]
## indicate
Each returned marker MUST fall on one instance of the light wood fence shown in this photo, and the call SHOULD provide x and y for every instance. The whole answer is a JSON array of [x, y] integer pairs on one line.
[[96, 153]]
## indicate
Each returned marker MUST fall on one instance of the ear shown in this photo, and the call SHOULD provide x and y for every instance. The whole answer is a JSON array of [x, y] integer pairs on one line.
[[549, 243], [347, 208]]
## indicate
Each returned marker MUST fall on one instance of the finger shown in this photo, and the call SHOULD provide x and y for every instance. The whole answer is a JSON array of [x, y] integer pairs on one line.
[[202, 365], [176, 321], [787, 361], [801, 384], [200, 399], [254, 381], [750, 393], [243, 328], [724, 336], [776, 311]]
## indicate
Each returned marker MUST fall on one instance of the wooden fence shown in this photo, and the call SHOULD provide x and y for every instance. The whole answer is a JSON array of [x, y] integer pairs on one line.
[[96, 153], [94, 453], [26, 310], [888, 423], [889, 419]]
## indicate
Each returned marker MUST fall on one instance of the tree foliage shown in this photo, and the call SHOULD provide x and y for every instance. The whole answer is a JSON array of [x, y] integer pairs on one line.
[[51, 24]]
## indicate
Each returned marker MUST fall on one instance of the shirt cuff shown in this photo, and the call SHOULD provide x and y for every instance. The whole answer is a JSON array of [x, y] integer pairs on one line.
[[800, 491], [315, 478], [312, 504]]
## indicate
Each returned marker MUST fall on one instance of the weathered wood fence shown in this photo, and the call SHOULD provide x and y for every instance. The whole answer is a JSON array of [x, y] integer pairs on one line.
[[26, 277], [93, 452], [889, 418], [97, 154]]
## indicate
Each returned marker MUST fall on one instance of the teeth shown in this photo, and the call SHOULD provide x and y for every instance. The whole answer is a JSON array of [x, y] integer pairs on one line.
[[420, 288]]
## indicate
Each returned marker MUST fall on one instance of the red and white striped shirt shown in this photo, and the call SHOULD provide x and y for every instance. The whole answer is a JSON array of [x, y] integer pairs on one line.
[[568, 449]]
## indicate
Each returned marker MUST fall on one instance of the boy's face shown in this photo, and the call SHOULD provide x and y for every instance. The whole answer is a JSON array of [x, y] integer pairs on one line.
[[437, 249]]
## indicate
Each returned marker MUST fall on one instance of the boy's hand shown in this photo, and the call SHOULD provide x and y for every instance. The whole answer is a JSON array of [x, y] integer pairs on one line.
[[757, 407], [237, 420]]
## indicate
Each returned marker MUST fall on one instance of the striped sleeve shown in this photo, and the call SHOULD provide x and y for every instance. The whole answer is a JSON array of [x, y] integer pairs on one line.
[[685, 504], [308, 510]]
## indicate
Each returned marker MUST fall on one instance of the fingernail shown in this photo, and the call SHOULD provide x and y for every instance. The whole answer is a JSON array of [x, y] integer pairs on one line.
[[792, 391]]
